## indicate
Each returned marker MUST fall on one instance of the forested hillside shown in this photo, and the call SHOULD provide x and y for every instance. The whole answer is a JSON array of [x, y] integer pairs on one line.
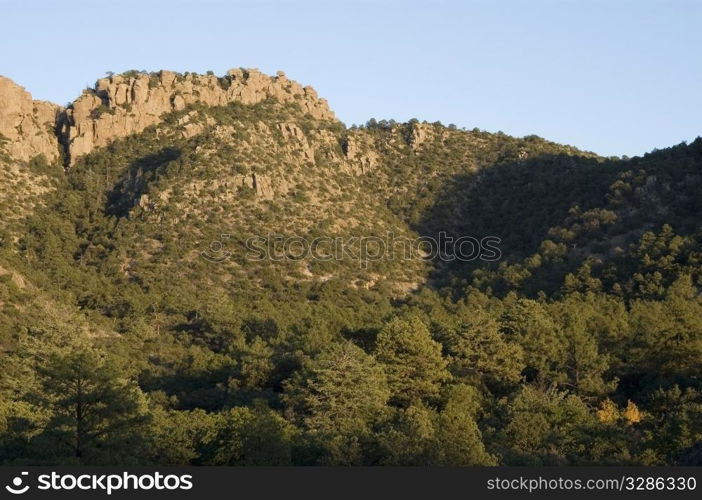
[[137, 326]]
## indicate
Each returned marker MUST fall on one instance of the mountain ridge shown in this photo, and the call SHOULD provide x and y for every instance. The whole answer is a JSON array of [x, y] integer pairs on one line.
[[124, 104], [131, 264]]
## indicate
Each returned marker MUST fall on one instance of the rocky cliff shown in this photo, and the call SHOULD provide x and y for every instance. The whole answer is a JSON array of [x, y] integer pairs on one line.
[[27, 127], [121, 105], [125, 104]]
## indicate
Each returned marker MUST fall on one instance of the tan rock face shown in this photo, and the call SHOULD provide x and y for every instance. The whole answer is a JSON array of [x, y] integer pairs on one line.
[[122, 105], [421, 134], [296, 137], [360, 153], [26, 126]]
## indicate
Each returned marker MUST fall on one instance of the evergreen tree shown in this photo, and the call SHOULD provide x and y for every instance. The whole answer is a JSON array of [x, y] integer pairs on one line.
[[412, 360], [458, 438], [481, 354], [336, 398], [528, 323], [94, 414]]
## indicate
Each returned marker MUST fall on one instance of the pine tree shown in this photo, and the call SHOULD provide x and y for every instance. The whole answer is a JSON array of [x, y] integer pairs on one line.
[[335, 399], [481, 354], [458, 438], [95, 415], [412, 360], [528, 323]]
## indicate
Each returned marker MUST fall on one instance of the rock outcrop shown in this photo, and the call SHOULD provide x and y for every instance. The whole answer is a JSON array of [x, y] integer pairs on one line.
[[27, 127], [360, 153], [421, 133], [121, 105]]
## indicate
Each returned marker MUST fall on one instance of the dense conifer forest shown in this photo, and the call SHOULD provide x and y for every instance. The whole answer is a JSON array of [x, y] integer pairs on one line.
[[136, 329]]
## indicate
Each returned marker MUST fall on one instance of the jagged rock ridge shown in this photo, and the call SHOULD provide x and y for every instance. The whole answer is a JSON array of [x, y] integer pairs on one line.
[[121, 105], [27, 127]]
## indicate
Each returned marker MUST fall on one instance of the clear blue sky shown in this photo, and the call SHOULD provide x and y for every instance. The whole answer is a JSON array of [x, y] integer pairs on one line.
[[614, 77]]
